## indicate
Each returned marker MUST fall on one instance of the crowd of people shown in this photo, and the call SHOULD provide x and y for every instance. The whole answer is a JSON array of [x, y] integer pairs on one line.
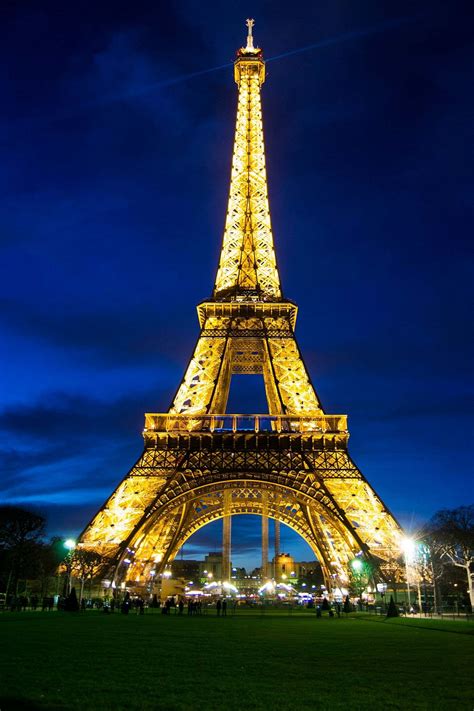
[[20, 603], [172, 605]]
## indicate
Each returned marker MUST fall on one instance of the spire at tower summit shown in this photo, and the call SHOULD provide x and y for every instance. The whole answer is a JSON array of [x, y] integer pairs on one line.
[[250, 47]]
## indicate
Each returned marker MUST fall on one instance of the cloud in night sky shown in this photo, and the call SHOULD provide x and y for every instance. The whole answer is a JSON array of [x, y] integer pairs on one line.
[[116, 158]]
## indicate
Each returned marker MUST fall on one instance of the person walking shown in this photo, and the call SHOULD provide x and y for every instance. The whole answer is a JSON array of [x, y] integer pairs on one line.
[[218, 607], [224, 608]]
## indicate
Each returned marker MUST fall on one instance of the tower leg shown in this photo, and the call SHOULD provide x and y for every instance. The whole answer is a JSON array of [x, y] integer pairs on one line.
[[226, 537], [277, 547], [264, 544]]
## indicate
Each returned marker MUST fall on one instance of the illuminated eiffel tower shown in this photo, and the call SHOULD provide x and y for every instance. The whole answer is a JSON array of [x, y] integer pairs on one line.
[[201, 464]]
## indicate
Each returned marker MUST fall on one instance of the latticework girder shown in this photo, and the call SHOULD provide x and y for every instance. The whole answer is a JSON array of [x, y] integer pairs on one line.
[[248, 262], [239, 345]]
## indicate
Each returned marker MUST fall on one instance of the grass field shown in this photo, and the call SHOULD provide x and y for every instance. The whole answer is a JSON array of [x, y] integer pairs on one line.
[[96, 661]]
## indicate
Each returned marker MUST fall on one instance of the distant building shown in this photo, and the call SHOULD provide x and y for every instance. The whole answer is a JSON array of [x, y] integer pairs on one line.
[[238, 573], [202, 571], [284, 567], [248, 585], [212, 566], [310, 573], [186, 569]]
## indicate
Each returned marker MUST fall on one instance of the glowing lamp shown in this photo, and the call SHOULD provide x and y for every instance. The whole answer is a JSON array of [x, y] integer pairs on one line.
[[408, 548]]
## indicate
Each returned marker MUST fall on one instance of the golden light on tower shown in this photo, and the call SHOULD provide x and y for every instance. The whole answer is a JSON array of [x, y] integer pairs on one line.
[[201, 463]]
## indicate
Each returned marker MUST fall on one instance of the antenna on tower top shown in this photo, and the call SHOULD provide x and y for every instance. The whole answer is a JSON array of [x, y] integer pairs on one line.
[[250, 24]]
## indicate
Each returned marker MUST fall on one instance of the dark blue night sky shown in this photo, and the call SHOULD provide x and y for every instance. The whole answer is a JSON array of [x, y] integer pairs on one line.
[[116, 147]]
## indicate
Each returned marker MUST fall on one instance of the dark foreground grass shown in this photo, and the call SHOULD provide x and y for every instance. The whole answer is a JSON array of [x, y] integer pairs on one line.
[[95, 661]]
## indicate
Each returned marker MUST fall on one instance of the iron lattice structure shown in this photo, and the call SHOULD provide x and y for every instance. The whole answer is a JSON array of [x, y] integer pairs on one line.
[[200, 463]]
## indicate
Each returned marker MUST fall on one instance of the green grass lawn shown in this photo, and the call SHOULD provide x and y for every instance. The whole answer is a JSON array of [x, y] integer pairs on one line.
[[94, 661]]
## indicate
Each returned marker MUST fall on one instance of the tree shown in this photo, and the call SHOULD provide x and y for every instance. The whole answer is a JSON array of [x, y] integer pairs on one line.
[[360, 576], [21, 533], [86, 564], [451, 538], [50, 556], [18, 526]]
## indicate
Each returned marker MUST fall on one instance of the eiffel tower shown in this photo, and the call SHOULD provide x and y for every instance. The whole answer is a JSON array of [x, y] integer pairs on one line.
[[200, 463]]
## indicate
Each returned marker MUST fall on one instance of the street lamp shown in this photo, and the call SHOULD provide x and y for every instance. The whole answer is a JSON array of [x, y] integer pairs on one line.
[[70, 545]]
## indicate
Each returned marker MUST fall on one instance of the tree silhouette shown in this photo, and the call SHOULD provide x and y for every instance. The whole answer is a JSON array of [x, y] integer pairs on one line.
[[451, 539], [392, 610], [21, 532]]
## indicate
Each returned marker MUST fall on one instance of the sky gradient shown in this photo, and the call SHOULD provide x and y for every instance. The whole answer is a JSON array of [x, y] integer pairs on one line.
[[117, 130]]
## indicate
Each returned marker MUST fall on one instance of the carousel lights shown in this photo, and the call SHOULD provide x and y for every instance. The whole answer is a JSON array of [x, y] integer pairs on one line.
[[229, 586]]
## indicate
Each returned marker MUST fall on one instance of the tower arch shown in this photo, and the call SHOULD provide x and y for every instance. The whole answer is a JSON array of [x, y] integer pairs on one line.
[[159, 536]]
